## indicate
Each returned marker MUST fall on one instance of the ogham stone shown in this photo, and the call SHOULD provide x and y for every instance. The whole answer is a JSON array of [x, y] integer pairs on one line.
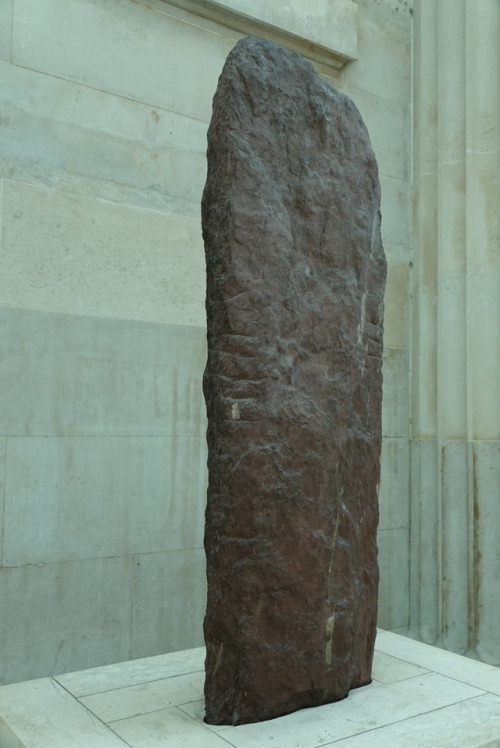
[[293, 386]]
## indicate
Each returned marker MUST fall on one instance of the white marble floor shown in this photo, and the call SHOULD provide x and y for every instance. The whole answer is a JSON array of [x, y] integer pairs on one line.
[[420, 696]]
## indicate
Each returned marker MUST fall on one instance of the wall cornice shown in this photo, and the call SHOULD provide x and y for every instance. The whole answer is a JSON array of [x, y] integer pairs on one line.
[[324, 32]]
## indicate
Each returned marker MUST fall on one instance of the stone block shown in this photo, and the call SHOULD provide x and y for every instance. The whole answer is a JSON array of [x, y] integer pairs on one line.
[[90, 497], [60, 617], [397, 303], [408, 705], [425, 290], [455, 563], [396, 400], [487, 549], [452, 278], [388, 669], [6, 7], [62, 252], [394, 564], [63, 135], [40, 713], [133, 672], [483, 101], [168, 726], [383, 66], [369, 713], [483, 299], [382, 117], [3, 447], [425, 540], [313, 29], [396, 211], [399, 11], [463, 669], [144, 698], [398, 252], [470, 722], [394, 494], [157, 58], [169, 601], [296, 273], [99, 377]]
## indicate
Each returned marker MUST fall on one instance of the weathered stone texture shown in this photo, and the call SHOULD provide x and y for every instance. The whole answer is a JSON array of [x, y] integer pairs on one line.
[[296, 273]]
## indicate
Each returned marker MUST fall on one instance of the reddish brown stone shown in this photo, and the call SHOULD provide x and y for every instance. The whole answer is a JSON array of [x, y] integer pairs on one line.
[[293, 386]]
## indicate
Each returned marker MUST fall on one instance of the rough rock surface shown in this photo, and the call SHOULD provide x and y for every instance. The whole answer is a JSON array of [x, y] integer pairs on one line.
[[293, 385]]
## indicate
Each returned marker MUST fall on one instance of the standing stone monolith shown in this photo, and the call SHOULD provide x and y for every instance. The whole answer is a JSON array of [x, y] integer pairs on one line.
[[293, 385]]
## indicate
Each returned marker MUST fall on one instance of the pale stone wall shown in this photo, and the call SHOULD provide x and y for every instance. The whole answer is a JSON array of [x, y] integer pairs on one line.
[[104, 107], [456, 346]]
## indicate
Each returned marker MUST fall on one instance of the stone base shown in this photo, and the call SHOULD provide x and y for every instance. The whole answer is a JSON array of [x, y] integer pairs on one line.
[[420, 696]]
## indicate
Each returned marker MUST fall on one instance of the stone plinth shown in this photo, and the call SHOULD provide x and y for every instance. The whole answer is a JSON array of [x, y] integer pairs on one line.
[[296, 273]]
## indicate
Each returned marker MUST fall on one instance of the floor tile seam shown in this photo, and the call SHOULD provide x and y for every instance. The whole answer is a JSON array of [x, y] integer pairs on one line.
[[75, 700], [134, 685], [228, 742], [402, 659], [72, 697], [129, 745], [409, 642], [214, 729], [445, 674], [403, 680], [382, 684], [397, 721], [466, 683], [186, 714], [408, 662], [158, 709], [430, 673]]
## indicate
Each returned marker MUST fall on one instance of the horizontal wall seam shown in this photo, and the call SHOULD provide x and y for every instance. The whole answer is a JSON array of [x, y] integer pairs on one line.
[[254, 26]]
